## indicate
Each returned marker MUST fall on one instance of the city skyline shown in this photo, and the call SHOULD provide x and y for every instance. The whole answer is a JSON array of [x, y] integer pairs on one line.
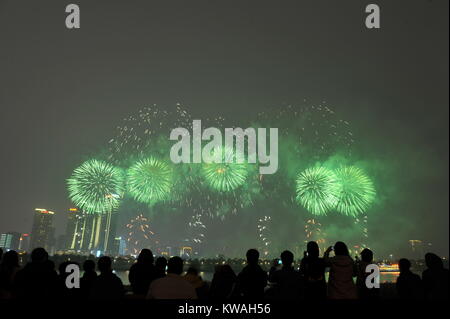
[[64, 93]]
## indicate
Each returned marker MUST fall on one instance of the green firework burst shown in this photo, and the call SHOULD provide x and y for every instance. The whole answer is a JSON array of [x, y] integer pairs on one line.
[[150, 181], [317, 190], [227, 175], [357, 191], [96, 186]]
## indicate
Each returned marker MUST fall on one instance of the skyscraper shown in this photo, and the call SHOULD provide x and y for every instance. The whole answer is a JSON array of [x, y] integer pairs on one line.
[[24, 244], [74, 230], [10, 241], [86, 233], [42, 232]]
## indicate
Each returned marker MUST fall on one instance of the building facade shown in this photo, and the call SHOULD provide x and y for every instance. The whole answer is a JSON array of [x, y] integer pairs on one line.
[[10, 241], [91, 233], [42, 232]]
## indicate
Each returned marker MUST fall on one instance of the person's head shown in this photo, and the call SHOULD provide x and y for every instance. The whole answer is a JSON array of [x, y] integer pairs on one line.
[[89, 266], [224, 274], [252, 256], [225, 270], [404, 265], [175, 265], [192, 271], [10, 259], [161, 263], [433, 261], [39, 255], [340, 249], [145, 256], [367, 255], [313, 249], [104, 264], [287, 258]]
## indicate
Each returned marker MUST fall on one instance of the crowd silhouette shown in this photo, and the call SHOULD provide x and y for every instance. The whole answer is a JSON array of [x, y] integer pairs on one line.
[[165, 279]]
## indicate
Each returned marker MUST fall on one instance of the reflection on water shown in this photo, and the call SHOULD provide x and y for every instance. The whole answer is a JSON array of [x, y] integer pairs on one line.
[[384, 276], [389, 276]]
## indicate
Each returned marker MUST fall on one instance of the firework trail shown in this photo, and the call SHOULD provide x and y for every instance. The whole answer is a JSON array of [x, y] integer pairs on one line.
[[264, 233], [314, 232], [196, 230], [140, 235], [140, 133]]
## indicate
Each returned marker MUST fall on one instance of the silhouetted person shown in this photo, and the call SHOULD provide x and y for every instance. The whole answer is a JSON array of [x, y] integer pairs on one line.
[[8, 269], [142, 273], [363, 291], [88, 279], [434, 278], [252, 279], [38, 279], [312, 268], [275, 266], [288, 282], [223, 283], [342, 271], [1, 254], [173, 286], [160, 266], [201, 287], [409, 285], [107, 285]]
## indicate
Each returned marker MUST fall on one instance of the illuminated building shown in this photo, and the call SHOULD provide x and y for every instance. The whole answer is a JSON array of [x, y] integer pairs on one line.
[[24, 242], [10, 241], [42, 231], [186, 251], [416, 248], [419, 248], [167, 251], [118, 247], [61, 242], [74, 229], [87, 233]]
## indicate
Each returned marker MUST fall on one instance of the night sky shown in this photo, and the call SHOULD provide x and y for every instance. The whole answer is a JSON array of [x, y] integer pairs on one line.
[[63, 92]]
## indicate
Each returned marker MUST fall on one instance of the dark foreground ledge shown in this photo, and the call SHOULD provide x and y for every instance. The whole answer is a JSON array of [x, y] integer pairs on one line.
[[142, 308]]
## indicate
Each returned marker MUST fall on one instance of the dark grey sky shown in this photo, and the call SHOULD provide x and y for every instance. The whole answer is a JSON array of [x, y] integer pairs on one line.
[[62, 92]]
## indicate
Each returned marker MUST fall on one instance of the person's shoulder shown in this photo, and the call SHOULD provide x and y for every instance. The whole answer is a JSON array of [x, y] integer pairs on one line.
[[243, 271], [158, 281], [116, 278], [134, 266]]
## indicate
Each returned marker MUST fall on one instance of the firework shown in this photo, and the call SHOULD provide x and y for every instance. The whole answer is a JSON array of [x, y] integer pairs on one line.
[[140, 235], [360, 223], [96, 186], [196, 230], [314, 232], [140, 133], [356, 193], [227, 175], [264, 233], [317, 190], [150, 181], [312, 130]]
